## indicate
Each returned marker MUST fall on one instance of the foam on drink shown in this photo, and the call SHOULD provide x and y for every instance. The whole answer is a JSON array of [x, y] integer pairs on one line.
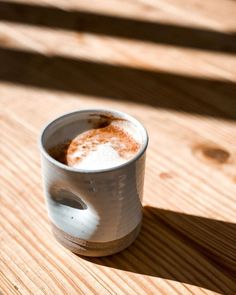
[[110, 143]]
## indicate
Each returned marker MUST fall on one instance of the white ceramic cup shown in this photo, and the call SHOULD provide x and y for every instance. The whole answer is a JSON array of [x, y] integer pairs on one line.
[[92, 212]]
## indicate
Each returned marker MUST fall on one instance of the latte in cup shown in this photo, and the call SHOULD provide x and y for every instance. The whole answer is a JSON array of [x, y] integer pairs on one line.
[[110, 142], [93, 172]]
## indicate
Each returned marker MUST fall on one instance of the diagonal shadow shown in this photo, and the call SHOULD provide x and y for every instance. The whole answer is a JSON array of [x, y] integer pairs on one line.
[[118, 26], [160, 89], [183, 248]]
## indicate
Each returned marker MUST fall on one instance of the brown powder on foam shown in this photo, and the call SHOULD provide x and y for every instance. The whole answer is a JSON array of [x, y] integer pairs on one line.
[[88, 141], [120, 140]]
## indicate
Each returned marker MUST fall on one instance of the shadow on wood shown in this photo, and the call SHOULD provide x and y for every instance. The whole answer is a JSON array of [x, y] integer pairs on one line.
[[183, 248], [160, 89], [116, 26]]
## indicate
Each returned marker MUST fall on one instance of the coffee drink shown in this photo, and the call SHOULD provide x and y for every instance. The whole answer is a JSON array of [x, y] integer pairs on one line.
[[110, 142], [93, 172]]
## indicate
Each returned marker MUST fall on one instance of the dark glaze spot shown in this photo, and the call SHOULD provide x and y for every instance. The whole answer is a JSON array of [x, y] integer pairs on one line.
[[102, 120], [103, 123], [16, 287], [59, 151]]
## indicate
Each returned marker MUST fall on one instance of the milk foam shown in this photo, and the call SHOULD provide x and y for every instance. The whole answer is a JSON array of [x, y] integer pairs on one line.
[[103, 157], [104, 147]]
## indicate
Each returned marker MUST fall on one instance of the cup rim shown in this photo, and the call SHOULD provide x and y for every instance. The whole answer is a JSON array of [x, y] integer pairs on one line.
[[97, 110]]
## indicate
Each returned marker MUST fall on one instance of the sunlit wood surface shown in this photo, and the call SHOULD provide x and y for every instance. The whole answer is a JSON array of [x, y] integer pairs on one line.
[[169, 63]]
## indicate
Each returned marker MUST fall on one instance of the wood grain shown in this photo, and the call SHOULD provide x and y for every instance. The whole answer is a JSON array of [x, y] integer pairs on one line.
[[138, 57]]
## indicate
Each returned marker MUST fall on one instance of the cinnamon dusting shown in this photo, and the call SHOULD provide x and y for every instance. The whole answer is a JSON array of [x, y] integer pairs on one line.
[[120, 140]]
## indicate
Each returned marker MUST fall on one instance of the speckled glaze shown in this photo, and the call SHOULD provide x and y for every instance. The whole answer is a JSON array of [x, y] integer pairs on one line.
[[98, 212]]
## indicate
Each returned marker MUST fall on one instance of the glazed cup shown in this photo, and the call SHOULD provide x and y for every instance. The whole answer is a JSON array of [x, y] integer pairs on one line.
[[92, 212]]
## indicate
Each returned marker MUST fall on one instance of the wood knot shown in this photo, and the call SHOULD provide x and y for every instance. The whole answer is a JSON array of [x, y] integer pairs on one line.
[[165, 175], [219, 155], [5, 41], [212, 153]]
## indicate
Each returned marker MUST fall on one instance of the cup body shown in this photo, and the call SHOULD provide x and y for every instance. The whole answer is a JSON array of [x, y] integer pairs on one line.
[[92, 212]]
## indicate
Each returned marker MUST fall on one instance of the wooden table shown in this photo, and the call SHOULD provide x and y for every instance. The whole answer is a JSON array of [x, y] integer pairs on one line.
[[169, 63]]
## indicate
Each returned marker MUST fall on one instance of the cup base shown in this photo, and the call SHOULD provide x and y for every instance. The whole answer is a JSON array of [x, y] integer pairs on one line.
[[94, 249]]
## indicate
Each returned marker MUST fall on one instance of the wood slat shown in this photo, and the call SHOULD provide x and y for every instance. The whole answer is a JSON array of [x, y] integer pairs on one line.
[[183, 92]]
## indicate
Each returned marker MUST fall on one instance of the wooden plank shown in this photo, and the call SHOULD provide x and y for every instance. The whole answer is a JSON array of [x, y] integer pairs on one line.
[[174, 34], [134, 54], [22, 145], [216, 14], [184, 95]]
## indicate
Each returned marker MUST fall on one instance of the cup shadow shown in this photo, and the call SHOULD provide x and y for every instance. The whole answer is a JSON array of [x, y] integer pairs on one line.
[[182, 248]]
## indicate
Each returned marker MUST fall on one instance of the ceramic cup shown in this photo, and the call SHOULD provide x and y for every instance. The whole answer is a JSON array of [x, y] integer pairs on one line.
[[92, 212]]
